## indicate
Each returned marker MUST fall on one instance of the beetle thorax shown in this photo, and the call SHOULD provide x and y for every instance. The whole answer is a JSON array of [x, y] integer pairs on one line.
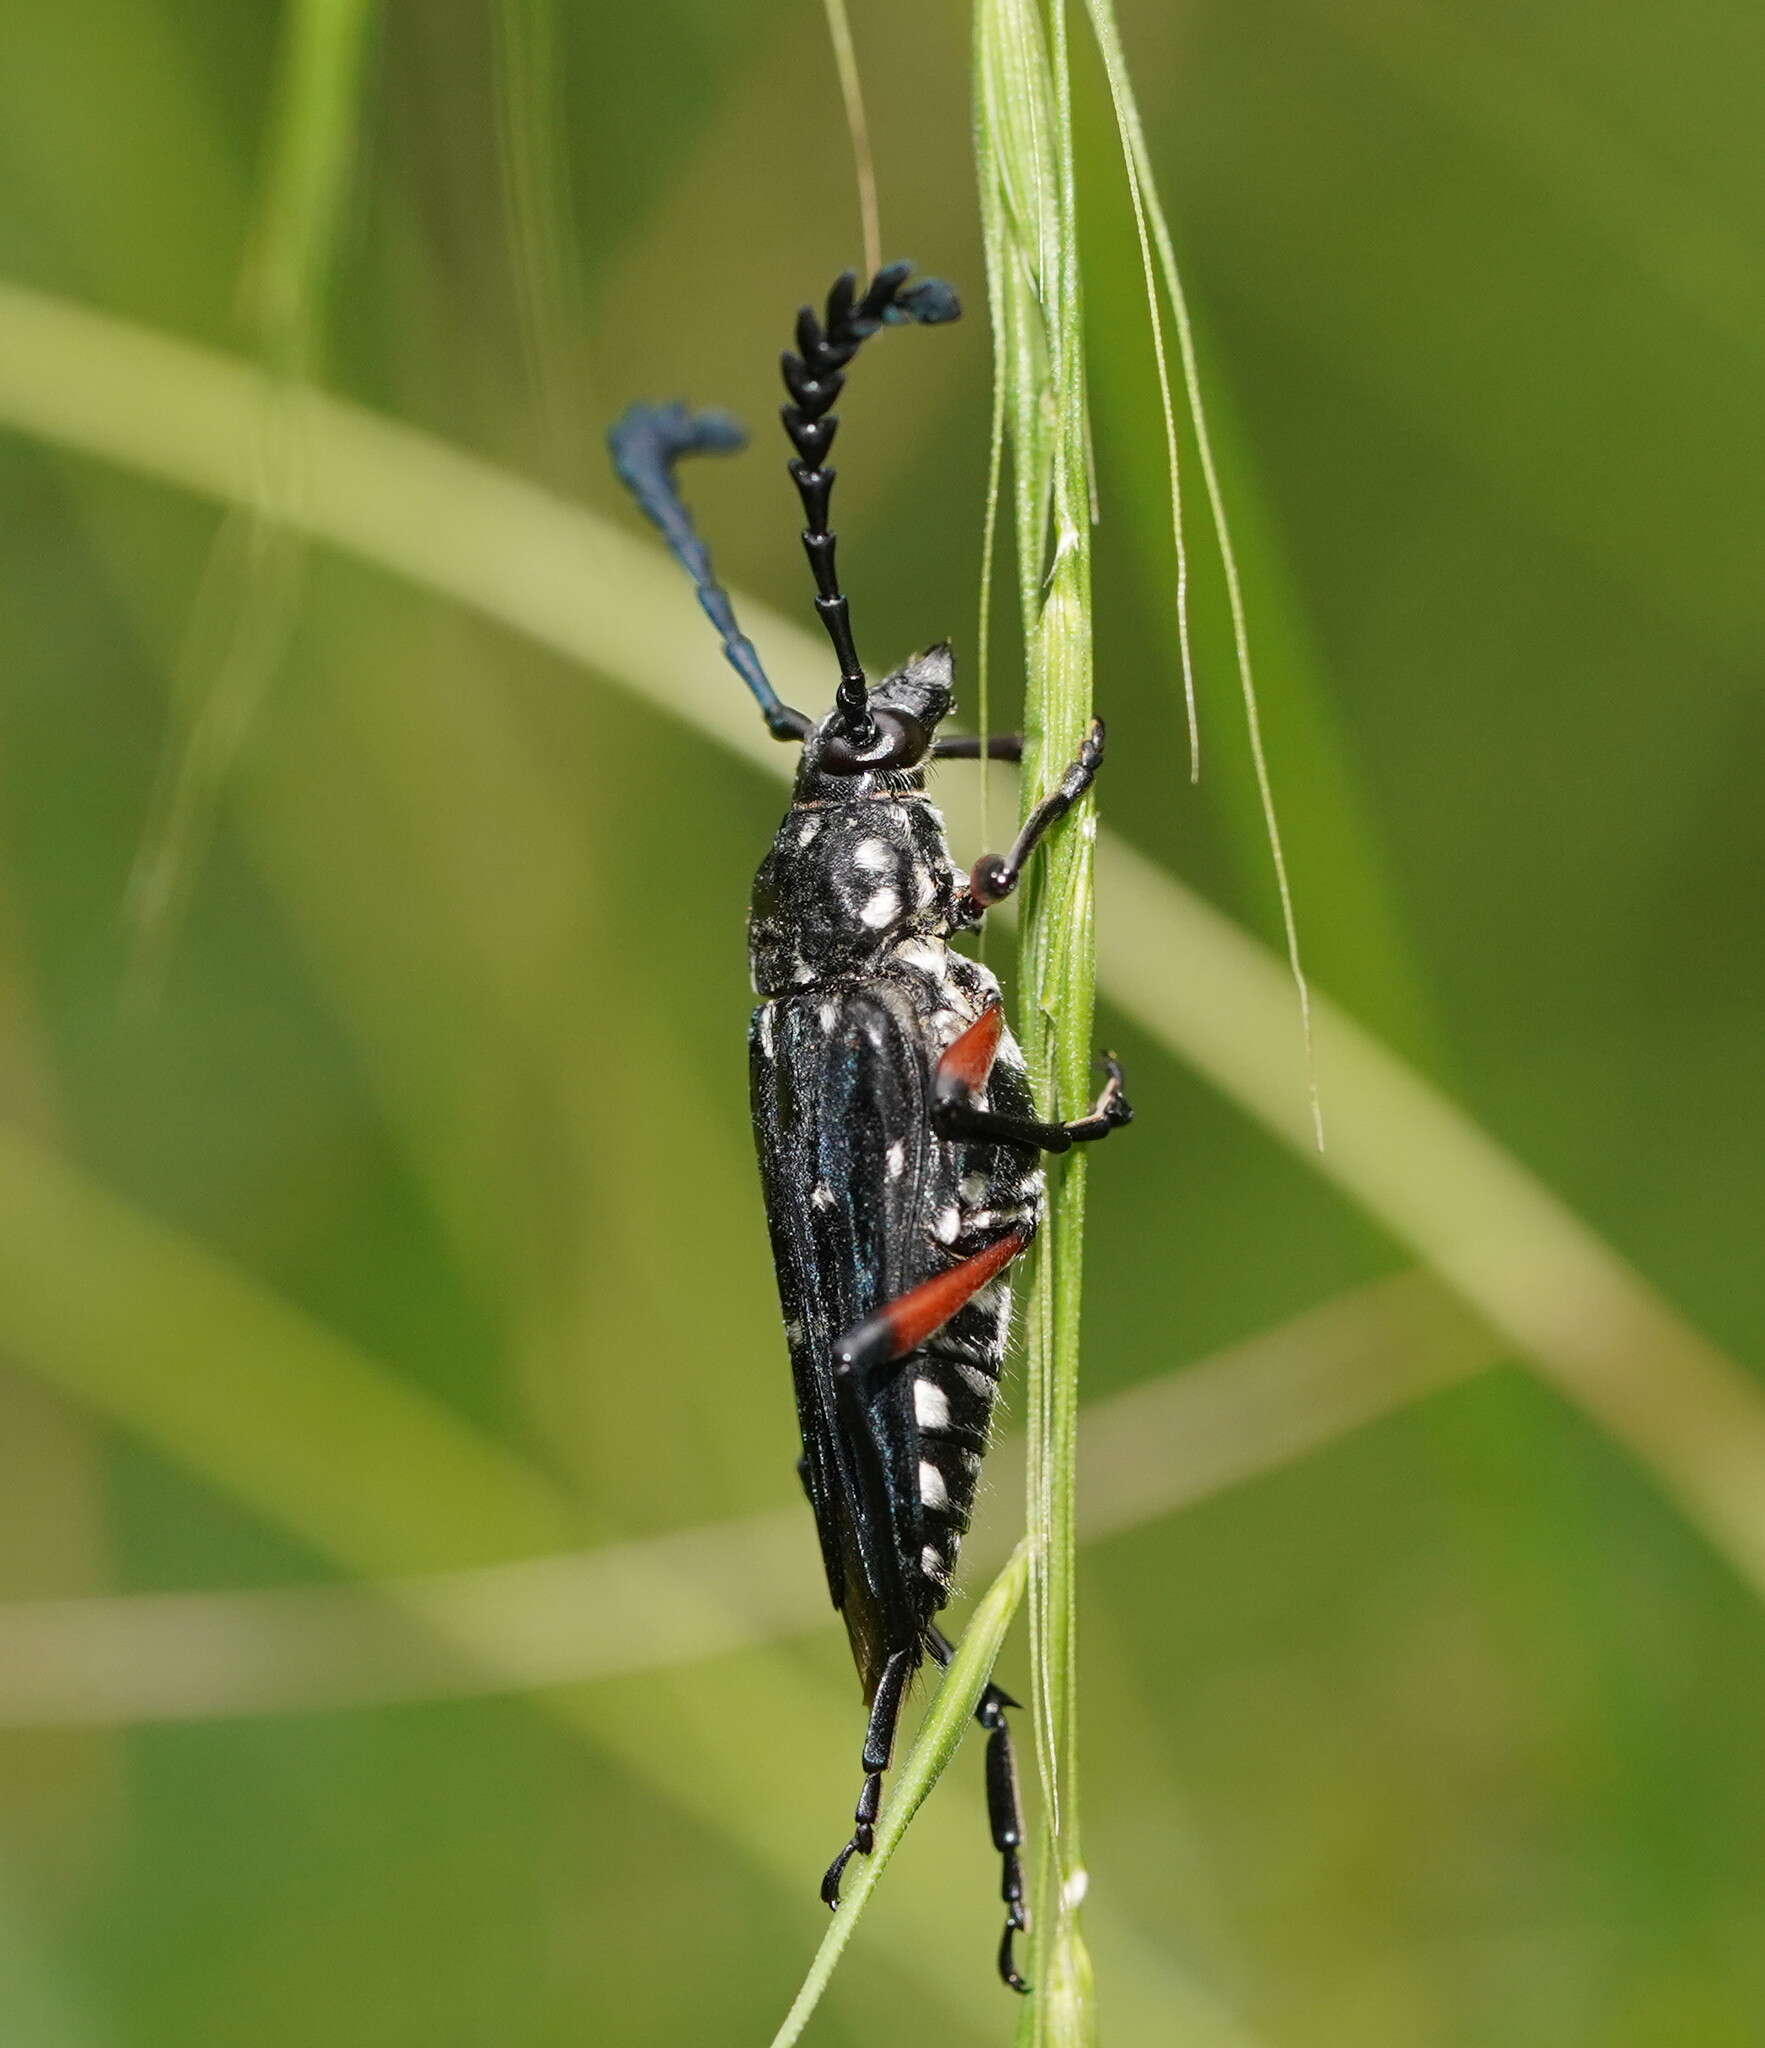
[[844, 882]]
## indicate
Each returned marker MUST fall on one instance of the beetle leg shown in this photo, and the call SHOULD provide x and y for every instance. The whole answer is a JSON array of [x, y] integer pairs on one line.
[[905, 1323], [1004, 1808], [962, 1074], [879, 1747], [995, 875], [859, 1358], [974, 746]]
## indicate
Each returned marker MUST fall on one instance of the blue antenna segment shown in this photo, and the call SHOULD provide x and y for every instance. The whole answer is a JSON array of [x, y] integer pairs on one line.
[[646, 441]]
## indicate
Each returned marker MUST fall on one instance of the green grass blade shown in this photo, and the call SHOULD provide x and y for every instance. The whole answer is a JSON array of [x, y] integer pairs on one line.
[[150, 1330], [845, 57], [247, 603], [570, 1617], [1172, 451], [940, 1734], [1148, 210], [539, 217], [1195, 981]]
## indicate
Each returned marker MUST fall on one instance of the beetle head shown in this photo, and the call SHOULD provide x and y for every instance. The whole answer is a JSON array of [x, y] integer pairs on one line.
[[906, 708]]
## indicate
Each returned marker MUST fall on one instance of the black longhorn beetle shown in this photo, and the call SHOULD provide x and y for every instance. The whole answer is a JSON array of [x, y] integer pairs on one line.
[[898, 1140]]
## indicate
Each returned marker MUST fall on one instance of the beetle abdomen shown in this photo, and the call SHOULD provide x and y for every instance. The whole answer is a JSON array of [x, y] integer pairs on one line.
[[866, 1201]]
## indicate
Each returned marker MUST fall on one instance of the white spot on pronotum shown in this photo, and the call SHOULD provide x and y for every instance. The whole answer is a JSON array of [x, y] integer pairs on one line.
[[932, 1489], [947, 1226], [924, 954], [822, 1196], [931, 1561], [897, 1159], [931, 1405], [874, 856], [947, 1026], [882, 909], [829, 1013], [973, 1188], [1072, 1893], [924, 887]]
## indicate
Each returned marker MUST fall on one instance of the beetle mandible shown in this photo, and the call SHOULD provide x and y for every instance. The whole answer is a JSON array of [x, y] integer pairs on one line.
[[899, 1145]]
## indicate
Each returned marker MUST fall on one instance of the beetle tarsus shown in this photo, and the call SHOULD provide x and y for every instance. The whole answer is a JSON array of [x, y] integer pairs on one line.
[[830, 1884], [1015, 1923]]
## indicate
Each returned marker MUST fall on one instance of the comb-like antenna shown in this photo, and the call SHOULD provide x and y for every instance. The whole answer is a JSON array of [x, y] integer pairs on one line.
[[646, 442], [814, 376]]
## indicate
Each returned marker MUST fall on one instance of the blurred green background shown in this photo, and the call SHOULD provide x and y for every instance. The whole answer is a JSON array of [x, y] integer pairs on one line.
[[430, 1158]]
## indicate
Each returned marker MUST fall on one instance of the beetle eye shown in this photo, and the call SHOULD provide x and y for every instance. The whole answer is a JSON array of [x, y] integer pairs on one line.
[[900, 743]]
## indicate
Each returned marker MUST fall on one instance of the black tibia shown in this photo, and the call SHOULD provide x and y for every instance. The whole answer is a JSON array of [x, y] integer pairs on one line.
[[1004, 1809], [972, 746], [814, 376], [953, 1116], [994, 875], [879, 1747]]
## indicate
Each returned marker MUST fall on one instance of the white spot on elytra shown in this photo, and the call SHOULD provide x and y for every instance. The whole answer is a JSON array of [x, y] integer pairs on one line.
[[822, 1196], [829, 1013], [924, 888], [764, 1027], [1006, 1217], [793, 1332], [882, 909], [931, 1561], [802, 971], [931, 1405], [874, 856], [932, 1489], [947, 1226], [897, 1159], [807, 830]]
